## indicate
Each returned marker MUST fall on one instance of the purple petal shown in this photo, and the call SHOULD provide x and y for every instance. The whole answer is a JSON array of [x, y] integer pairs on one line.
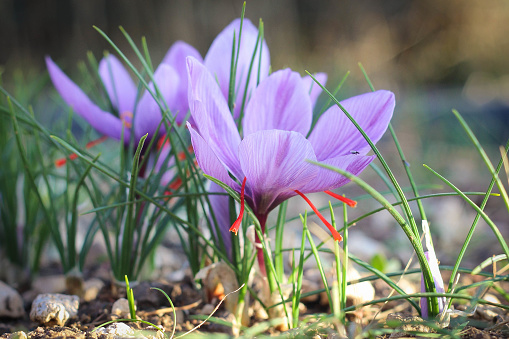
[[282, 102], [327, 179], [439, 286], [212, 117], [218, 59], [220, 205], [274, 163], [176, 58], [104, 122], [118, 83], [208, 160], [314, 89], [334, 134], [147, 115]]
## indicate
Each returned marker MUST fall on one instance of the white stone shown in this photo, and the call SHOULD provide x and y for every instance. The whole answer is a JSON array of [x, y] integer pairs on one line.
[[116, 329], [54, 308], [92, 288], [120, 308], [11, 303]]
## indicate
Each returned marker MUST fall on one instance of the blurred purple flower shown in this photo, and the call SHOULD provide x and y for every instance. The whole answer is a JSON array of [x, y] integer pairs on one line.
[[143, 116], [273, 151], [439, 285]]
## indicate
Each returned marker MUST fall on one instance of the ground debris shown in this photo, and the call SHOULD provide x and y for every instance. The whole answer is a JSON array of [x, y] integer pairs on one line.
[[406, 324]]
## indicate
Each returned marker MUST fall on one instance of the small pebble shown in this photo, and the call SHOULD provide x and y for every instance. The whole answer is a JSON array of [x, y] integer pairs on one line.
[[116, 329], [54, 308], [92, 288], [11, 303], [121, 308]]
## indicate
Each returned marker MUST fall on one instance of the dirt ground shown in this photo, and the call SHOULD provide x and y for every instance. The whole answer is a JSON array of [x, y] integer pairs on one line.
[[191, 309]]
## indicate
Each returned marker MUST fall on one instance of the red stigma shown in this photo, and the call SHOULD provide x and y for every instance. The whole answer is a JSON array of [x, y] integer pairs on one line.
[[163, 142], [172, 187], [335, 233], [236, 224], [349, 202], [61, 162]]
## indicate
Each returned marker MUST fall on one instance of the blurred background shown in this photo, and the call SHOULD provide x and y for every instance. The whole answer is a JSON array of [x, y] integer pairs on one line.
[[435, 55], [410, 43]]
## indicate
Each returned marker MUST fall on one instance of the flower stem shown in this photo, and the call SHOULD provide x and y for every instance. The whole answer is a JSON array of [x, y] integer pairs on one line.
[[262, 219]]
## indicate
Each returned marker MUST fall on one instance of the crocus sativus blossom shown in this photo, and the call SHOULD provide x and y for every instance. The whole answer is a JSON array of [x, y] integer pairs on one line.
[[142, 116], [271, 158]]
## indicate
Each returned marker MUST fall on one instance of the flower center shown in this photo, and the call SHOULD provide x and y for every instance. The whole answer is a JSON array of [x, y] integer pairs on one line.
[[335, 233], [236, 224], [126, 118], [61, 162]]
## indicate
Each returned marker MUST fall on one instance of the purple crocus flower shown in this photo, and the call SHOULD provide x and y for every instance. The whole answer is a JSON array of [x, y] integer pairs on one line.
[[439, 285], [220, 203], [142, 116], [270, 159]]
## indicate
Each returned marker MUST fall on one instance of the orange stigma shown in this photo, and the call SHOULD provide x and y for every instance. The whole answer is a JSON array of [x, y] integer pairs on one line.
[[335, 233], [62, 161], [163, 142], [349, 202], [236, 224], [127, 118]]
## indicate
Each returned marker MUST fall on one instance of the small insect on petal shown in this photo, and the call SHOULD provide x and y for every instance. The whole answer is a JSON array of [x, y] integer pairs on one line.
[[236, 224]]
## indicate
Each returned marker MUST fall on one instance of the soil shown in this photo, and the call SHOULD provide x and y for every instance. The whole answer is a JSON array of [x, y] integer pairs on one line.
[[152, 306]]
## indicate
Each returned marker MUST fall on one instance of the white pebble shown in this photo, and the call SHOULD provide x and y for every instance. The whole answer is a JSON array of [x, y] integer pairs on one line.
[[116, 329], [121, 308], [54, 308], [11, 303]]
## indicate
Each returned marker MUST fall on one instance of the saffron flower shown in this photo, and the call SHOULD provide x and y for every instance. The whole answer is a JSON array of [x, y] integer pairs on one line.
[[129, 115], [271, 158], [439, 284]]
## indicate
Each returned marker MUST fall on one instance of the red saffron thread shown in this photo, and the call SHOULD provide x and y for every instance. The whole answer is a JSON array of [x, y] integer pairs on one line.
[[349, 202], [335, 233], [236, 224], [61, 162]]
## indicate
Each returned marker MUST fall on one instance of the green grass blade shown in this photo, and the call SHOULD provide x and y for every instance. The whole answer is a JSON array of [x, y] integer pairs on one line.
[[415, 241], [278, 253], [130, 222], [484, 156], [318, 264], [27, 167], [474, 223], [490, 223], [172, 308], [300, 273], [345, 259], [130, 299]]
